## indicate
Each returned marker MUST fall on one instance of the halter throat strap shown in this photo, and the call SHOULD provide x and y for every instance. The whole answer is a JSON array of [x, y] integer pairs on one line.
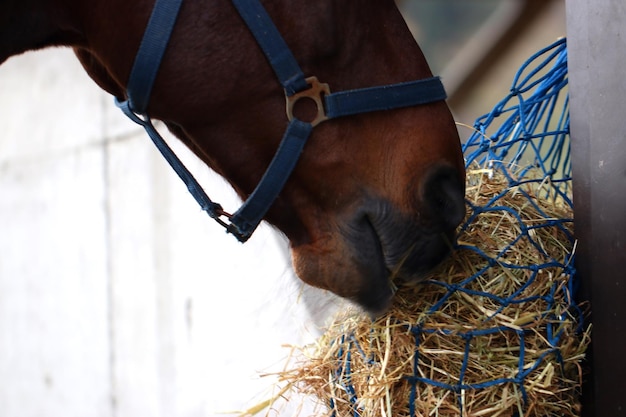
[[330, 105]]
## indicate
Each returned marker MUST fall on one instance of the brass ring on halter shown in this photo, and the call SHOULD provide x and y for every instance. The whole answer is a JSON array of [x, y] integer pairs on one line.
[[315, 92]]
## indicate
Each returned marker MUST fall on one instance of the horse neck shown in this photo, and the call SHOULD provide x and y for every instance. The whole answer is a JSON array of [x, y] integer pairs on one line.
[[34, 24]]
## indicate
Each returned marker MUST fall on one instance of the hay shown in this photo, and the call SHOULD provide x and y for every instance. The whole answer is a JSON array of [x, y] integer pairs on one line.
[[505, 342]]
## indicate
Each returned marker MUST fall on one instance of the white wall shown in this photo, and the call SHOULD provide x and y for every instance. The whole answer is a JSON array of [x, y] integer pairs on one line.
[[118, 295]]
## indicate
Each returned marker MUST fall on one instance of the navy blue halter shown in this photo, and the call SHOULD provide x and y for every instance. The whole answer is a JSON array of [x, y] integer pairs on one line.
[[329, 106]]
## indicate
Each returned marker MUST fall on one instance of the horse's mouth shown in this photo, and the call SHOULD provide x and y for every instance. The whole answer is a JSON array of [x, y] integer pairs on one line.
[[368, 256], [388, 253]]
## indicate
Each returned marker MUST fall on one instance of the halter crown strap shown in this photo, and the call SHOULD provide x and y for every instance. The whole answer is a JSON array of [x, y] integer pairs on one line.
[[330, 105], [273, 45], [150, 53]]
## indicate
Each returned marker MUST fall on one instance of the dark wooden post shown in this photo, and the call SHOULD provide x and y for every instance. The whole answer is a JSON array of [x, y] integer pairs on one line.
[[596, 33]]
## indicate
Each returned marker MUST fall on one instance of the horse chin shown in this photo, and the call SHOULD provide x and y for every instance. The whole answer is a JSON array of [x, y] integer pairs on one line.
[[357, 274]]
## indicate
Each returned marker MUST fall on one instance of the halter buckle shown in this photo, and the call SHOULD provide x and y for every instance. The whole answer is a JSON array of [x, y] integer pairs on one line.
[[315, 92]]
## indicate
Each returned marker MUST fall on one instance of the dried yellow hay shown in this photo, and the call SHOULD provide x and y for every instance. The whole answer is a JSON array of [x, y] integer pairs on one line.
[[493, 332]]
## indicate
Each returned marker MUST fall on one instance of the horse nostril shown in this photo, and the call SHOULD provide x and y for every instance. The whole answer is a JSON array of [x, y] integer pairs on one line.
[[443, 199]]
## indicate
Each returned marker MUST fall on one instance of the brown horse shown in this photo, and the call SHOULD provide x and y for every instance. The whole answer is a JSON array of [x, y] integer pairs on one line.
[[374, 196]]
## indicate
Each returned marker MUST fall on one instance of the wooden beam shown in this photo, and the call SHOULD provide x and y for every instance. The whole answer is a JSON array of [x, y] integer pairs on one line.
[[597, 57]]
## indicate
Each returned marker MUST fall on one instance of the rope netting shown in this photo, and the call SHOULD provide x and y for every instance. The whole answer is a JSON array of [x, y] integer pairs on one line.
[[524, 140], [534, 132], [531, 146]]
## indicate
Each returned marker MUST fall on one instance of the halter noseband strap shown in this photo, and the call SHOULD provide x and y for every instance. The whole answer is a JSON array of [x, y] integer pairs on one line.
[[330, 105]]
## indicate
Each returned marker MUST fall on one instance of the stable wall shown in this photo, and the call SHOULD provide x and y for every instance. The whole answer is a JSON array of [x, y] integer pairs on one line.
[[118, 295]]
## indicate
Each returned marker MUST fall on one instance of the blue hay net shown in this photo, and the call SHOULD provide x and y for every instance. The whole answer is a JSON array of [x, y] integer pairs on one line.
[[534, 133], [526, 138]]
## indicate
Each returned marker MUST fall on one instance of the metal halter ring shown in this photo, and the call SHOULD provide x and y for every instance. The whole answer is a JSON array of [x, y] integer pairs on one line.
[[315, 92]]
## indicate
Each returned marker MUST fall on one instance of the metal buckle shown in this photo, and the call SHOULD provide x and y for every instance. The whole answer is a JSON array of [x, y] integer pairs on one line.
[[315, 92]]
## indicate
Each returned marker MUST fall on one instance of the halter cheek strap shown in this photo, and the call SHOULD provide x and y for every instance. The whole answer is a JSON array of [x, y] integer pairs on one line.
[[329, 105]]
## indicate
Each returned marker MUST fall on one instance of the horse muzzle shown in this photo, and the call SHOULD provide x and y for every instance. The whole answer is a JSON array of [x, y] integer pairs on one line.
[[389, 246]]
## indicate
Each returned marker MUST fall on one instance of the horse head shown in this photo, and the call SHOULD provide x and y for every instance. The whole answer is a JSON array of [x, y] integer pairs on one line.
[[374, 196]]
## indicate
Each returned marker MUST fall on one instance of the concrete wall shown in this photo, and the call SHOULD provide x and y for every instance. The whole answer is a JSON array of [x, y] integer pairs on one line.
[[118, 295]]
